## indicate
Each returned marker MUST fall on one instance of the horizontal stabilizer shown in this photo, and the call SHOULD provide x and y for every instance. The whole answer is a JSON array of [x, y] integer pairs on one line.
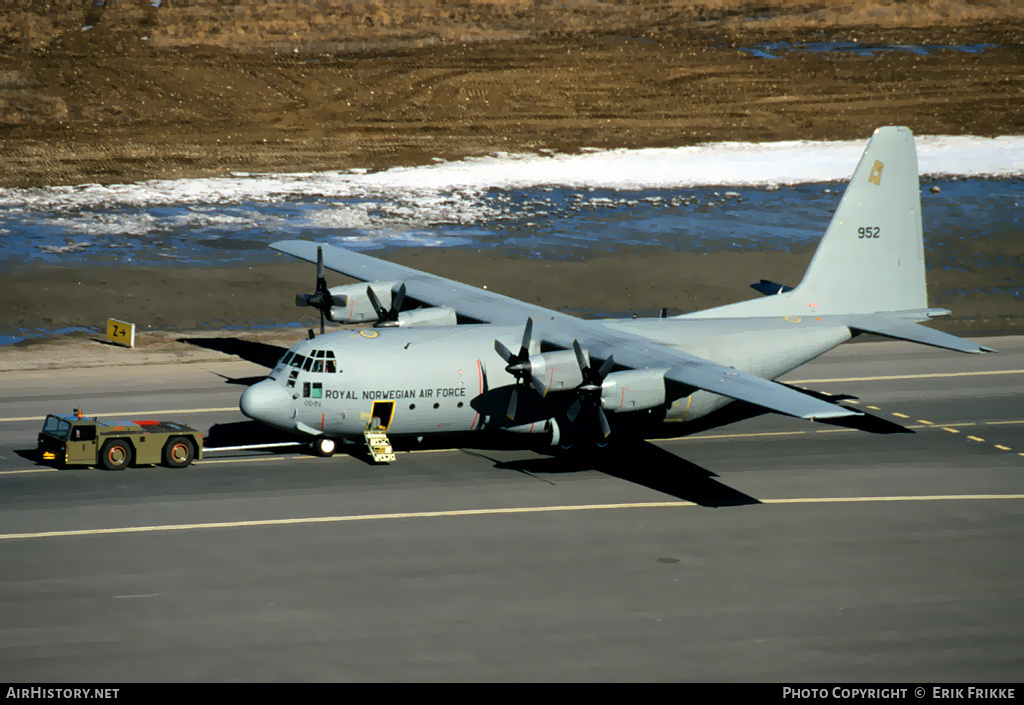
[[892, 326]]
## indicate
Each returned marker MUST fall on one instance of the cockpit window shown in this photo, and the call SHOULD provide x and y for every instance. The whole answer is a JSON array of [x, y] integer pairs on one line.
[[56, 427], [318, 361], [287, 356]]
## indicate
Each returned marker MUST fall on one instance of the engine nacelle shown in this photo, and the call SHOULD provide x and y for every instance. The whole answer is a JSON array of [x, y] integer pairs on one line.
[[352, 305], [633, 390], [440, 316], [545, 426], [555, 372]]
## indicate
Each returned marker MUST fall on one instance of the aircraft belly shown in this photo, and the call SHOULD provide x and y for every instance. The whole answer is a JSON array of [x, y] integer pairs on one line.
[[693, 407]]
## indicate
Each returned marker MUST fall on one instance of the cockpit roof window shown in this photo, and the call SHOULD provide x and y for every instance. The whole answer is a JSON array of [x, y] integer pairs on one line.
[[317, 354]]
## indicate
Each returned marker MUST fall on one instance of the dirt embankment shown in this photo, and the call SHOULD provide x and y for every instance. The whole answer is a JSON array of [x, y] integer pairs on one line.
[[202, 87], [205, 87]]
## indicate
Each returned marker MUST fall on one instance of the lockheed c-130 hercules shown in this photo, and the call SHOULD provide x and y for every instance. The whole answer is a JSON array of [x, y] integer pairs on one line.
[[446, 357]]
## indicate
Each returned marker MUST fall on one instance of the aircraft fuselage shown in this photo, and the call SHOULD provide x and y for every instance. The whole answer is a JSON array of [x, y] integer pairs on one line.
[[448, 379]]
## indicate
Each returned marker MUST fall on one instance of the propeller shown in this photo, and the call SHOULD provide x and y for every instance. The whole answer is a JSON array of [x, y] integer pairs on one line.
[[321, 298], [386, 317], [517, 365], [589, 392]]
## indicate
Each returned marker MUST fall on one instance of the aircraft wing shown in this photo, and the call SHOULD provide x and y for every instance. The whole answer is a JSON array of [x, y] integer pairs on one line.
[[561, 329], [468, 301]]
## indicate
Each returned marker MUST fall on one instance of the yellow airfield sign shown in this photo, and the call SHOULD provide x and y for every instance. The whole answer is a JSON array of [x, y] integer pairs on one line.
[[121, 333]]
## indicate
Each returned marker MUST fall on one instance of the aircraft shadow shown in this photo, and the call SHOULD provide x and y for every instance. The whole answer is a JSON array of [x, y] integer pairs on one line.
[[641, 463], [663, 471], [240, 433], [241, 381], [869, 423], [823, 396], [866, 422], [741, 411], [251, 351]]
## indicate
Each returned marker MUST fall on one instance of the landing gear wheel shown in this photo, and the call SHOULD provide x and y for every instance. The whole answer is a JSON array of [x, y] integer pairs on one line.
[[324, 447], [179, 452], [116, 455]]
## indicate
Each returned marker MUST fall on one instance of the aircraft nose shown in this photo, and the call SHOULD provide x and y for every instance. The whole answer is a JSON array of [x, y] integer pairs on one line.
[[269, 402]]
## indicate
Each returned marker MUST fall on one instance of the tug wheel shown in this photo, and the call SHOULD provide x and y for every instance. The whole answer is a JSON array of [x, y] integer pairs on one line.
[[116, 455], [179, 452]]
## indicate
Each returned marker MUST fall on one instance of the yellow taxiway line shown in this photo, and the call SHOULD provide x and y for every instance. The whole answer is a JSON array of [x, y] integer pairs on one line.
[[768, 434], [885, 378]]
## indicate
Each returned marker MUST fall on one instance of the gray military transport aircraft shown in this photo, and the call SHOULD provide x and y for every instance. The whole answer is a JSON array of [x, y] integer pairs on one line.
[[446, 357]]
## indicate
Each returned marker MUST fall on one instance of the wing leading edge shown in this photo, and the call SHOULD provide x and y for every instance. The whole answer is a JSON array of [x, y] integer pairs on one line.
[[560, 329]]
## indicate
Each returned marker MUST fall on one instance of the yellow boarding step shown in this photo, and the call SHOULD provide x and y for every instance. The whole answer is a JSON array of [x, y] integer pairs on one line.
[[380, 447]]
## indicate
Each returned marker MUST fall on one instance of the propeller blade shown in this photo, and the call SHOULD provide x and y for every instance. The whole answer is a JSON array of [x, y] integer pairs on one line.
[[396, 303], [574, 410], [375, 302], [505, 353], [580, 357], [605, 428], [524, 349], [321, 297], [517, 365], [589, 391]]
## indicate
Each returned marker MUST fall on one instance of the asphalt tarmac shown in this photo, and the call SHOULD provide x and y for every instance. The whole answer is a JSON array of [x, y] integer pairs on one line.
[[770, 549]]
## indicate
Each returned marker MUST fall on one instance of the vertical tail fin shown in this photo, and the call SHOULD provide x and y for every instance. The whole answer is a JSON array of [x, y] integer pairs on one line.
[[871, 258]]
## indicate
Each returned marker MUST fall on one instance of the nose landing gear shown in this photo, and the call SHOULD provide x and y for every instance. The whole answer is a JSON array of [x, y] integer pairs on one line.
[[323, 446]]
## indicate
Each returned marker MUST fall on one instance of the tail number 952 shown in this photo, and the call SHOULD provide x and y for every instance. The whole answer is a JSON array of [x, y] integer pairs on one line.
[[869, 231]]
